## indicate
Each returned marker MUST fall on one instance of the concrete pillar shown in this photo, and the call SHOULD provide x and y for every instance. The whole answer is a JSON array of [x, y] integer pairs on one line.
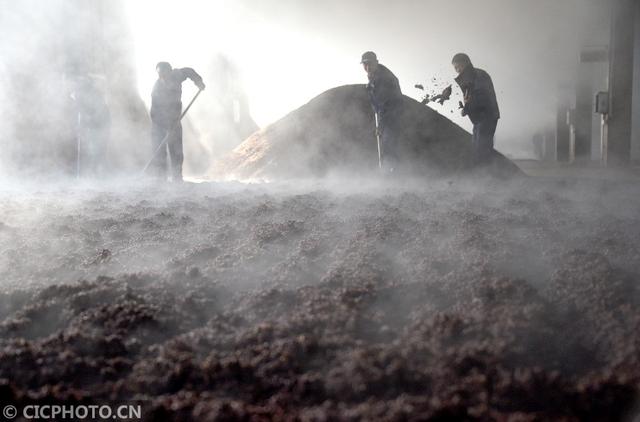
[[621, 69], [549, 145], [592, 78], [563, 135], [583, 113], [601, 71], [635, 129]]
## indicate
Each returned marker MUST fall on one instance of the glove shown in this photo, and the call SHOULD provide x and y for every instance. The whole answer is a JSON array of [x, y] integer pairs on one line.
[[200, 85], [446, 94], [463, 110]]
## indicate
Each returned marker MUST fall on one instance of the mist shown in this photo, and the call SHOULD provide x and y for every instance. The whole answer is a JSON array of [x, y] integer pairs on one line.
[[330, 289], [366, 291], [265, 59], [288, 52]]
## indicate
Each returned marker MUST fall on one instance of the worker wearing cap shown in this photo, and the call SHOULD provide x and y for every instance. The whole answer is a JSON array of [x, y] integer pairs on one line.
[[166, 108], [480, 104], [386, 99]]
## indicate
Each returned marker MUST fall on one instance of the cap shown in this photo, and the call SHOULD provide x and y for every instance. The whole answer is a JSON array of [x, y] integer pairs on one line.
[[461, 58], [163, 66], [368, 57]]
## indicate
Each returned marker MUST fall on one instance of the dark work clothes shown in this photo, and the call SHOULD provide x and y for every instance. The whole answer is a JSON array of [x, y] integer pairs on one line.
[[483, 133], [166, 108], [482, 108], [386, 99], [390, 134], [384, 91], [477, 86], [174, 144], [166, 97]]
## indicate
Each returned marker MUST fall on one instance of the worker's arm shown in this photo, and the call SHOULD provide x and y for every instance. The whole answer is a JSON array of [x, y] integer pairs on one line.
[[187, 72], [372, 96], [466, 89], [388, 94], [477, 101]]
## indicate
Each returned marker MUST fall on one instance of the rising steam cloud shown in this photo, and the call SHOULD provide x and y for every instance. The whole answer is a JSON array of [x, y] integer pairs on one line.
[[283, 53]]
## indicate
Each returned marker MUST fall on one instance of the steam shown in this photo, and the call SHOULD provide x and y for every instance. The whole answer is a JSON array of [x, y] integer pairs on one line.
[[47, 48], [287, 55], [253, 234], [394, 293], [275, 56]]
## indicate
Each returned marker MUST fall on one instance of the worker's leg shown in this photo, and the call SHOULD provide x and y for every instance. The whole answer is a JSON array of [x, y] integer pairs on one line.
[[158, 167], [391, 136], [483, 133], [176, 154]]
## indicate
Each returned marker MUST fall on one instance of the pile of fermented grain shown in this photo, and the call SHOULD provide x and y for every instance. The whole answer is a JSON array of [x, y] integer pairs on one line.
[[335, 133], [450, 301]]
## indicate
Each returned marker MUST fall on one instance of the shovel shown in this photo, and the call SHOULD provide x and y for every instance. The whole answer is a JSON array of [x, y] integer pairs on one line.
[[378, 139]]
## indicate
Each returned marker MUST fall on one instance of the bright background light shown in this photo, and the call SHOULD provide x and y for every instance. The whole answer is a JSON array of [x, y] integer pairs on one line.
[[289, 51], [280, 67]]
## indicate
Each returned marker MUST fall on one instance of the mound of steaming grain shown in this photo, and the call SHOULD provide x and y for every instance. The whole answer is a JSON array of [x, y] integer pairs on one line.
[[449, 302], [335, 132]]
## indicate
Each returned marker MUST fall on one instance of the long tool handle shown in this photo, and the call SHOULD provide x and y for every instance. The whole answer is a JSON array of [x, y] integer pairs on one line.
[[378, 139], [170, 131]]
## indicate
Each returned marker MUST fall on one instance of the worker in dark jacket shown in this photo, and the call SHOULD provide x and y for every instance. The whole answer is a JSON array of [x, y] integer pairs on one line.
[[480, 104], [166, 108], [386, 99]]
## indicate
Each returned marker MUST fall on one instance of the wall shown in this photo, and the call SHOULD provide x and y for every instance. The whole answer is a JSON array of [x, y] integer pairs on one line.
[[635, 134]]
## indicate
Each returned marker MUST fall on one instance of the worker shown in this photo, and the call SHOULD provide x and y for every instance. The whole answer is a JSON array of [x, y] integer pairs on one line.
[[166, 109], [386, 100], [480, 104]]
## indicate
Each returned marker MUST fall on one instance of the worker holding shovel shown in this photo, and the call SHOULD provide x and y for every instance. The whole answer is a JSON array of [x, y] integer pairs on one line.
[[480, 104], [166, 113], [386, 99]]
